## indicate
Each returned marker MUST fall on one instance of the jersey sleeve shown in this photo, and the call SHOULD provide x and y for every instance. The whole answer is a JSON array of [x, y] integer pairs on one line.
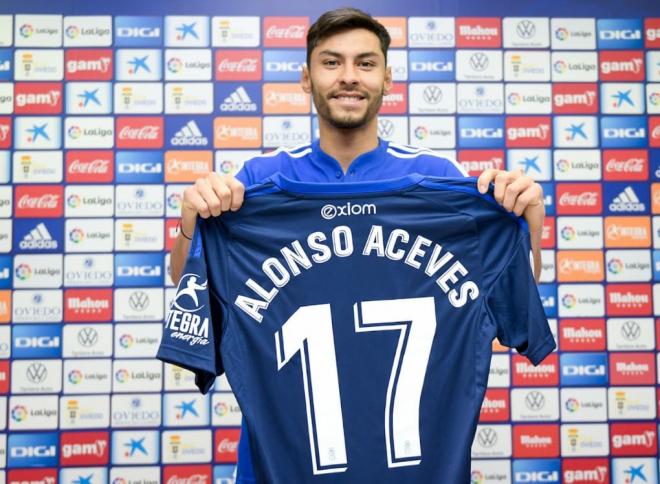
[[515, 306], [192, 330]]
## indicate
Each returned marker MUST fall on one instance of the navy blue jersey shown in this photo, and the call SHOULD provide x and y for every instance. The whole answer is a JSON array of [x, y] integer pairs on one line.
[[354, 323]]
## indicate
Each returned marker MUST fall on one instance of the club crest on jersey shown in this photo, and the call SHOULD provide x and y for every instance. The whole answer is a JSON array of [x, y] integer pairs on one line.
[[182, 319]]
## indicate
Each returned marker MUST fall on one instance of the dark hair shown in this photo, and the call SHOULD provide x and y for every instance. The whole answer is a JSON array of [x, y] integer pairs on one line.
[[341, 20]]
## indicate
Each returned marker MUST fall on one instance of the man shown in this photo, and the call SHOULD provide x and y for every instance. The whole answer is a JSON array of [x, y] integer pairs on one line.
[[347, 76]]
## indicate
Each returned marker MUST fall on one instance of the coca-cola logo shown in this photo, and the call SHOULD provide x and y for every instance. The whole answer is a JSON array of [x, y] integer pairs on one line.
[[584, 199], [631, 165], [148, 132], [45, 201], [655, 134], [227, 445], [243, 65], [290, 32], [192, 479], [97, 166]]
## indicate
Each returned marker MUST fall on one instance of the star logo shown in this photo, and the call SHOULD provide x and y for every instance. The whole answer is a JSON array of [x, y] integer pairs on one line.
[[635, 472], [575, 130], [139, 63], [37, 131], [186, 29], [89, 97], [135, 445], [529, 163], [186, 407], [84, 479], [622, 97]]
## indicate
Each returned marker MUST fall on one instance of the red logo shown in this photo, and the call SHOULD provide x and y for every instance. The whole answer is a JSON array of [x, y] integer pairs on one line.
[[82, 305], [574, 98], [197, 474], [654, 131], [37, 98], [536, 441], [625, 165], [586, 471], [44, 201], [477, 161], [634, 439], [5, 132], [548, 235], [226, 445], [36, 476], [629, 300], [652, 32], [528, 132], [238, 65], [4, 376], [632, 369], [139, 132], [285, 31], [621, 65], [582, 335], [89, 166], [396, 102], [88, 64], [478, 32], [495, 407], [84, 448], [579, 199], [524, 374], [171, 232]]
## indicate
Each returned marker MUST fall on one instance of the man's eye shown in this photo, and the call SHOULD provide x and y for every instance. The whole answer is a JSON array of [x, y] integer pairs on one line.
[[366, 64], [330, 62]]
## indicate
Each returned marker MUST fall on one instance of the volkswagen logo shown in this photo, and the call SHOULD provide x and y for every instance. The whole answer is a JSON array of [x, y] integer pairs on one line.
[[139, 301], [535, 400], [432, 94], [88, 337], [630, 330], [385, 128], [487, 437], [479, 61], [526, 29], [36, 372]]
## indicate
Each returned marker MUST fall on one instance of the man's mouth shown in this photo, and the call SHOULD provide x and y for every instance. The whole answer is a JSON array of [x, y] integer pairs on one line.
[[348, 99]]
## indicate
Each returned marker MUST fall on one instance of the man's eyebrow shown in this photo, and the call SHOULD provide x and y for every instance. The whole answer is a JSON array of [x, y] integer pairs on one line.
[[359, 56]]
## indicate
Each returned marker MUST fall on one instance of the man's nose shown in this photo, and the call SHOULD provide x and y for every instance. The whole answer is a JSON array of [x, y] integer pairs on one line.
[[349, 74]]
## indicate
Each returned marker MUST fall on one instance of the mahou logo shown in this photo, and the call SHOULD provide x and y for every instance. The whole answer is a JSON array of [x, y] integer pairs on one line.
[[478, 32], [88, 64], [238, 65], [582, 335], [629, 300], [37, 98], [226, 445], [495, 407], [632, 368], [197, 474], [89, 166], [536, 441], [285, 31], [528, 132], [579, 199], [87, 305], [634, 439], [624, 165], [574, 98], [39, 201], [525, 374], [396, 101], [586, 471], [139, 132]]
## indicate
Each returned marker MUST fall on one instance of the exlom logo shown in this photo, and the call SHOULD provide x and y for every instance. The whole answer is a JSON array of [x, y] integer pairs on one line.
[[330, 211], [32, 450], [536, 470], [183, 319], [620, 34], [583, 369]]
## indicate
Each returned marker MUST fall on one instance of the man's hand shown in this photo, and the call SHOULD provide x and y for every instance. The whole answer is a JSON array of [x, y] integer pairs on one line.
[[520, 194], [210, 196]]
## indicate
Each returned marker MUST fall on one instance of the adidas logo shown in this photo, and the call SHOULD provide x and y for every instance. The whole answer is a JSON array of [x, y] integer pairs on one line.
[[38, 239], [238, 101], [189, 135], [627, 201]]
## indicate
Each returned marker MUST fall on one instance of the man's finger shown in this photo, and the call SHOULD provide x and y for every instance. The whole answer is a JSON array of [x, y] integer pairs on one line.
[[514, 190], [237, 193], [205, 190]]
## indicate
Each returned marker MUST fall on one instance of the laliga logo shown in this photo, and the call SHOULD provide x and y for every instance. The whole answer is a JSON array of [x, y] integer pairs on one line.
[[568, 301], [26, 31], [23, 272], [19, 413], [174, 65], [174, 201], [73, 201], [76, 236], [421, 132], [559, 67], [72, 31], [514, 98], [568, 233], [563, 165], [329, 212], [561, 34], [74, 132], [227, 167], [476, 477], [615, 266], [126, 341], [572, 405], [75, 376]]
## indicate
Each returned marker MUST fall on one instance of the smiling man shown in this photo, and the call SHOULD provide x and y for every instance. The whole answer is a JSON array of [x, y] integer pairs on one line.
[[347, 76]]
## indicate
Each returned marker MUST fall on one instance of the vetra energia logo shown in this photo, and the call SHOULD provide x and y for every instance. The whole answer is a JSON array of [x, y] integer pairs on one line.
[[182, 320]]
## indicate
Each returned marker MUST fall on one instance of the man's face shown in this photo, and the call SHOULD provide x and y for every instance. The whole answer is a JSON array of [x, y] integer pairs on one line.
[[347, 78]]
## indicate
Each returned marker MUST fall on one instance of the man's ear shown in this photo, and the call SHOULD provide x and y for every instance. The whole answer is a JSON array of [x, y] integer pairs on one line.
[[305, 80], [387, 87]]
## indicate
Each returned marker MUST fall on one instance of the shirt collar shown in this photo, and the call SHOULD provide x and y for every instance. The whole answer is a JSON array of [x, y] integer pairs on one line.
[[327, 162]]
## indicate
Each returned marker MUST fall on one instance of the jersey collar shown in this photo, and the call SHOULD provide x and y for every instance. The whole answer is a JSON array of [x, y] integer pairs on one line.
[[328, 164]]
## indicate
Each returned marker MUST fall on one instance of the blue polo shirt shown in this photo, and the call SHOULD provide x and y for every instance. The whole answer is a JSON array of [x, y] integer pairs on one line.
[[308, 163]]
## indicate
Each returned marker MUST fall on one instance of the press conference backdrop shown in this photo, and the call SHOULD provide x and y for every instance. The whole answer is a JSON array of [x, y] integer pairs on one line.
[[108, 110]]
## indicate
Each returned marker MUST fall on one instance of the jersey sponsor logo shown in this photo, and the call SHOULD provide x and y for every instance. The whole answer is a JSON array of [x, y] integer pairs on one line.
[[37, 98], [82, 305], [620, 34], [39, 201], [139, 132], [586, 471], [184, 319], [579, 199], [627, 232], [238, 65], [583, 369], [89, 166], [88, 64], [330, 211], [531, 441], [285, 31], [477, 161], [621, 66], [575, 98], [632, 165], [629, 300], [478, 32], [582, 335], [633, 439], [632, 369]]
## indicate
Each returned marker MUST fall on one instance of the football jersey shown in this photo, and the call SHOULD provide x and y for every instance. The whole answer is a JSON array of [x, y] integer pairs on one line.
[[354, 323]]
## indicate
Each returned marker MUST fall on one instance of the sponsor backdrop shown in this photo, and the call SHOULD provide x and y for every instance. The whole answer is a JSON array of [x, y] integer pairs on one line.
[[107, 111]]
